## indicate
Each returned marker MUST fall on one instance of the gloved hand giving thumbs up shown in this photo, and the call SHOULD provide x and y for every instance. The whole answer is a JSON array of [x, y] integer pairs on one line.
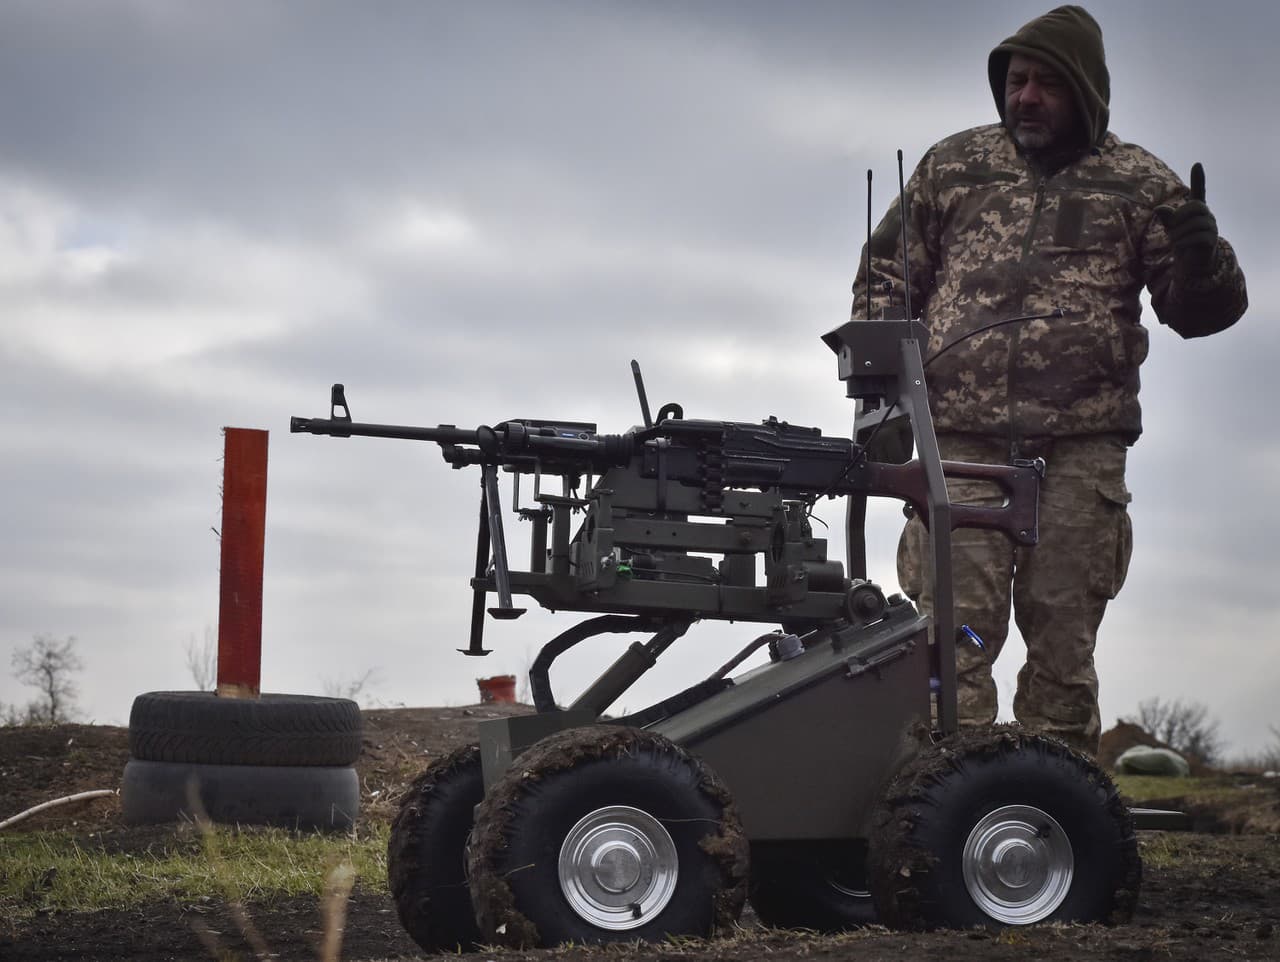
[[1192, 228]]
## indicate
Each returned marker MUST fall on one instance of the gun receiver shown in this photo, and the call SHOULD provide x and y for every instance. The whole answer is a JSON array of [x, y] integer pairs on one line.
[[711, 456], [660, 498]]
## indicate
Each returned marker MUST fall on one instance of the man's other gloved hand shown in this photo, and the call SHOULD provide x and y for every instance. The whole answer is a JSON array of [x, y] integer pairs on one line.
[[1193, 229]]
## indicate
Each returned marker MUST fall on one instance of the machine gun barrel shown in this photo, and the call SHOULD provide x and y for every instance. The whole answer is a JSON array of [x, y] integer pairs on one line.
[[559, 446], [345, 428], [516, 443]]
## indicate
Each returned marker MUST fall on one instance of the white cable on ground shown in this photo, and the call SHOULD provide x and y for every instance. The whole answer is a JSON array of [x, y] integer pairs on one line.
[[66, 799]]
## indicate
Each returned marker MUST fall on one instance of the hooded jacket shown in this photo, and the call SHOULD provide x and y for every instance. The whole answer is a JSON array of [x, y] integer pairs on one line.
[[992, 235]]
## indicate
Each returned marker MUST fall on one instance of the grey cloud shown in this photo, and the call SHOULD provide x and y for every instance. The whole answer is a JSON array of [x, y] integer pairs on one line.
[[678, 183]]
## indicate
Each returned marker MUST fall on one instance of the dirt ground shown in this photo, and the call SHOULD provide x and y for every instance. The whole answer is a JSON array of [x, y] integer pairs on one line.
[[1218, 897]]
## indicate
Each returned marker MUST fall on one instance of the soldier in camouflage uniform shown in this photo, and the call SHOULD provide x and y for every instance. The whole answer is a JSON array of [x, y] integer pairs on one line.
[[1045, 210]]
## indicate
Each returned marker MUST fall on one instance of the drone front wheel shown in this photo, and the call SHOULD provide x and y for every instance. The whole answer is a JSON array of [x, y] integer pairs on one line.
[[606, 834]]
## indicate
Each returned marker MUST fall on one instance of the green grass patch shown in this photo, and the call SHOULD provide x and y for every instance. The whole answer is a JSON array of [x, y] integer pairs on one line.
[[1206, 790], [1160, 850], [51, 871], [1223, 803], [1142, 788]]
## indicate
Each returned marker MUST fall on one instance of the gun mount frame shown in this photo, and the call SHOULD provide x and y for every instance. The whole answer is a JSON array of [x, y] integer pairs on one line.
[[662, 497]]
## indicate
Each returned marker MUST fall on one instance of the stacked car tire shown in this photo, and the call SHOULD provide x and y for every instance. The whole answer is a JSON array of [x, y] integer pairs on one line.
[[277, 759]]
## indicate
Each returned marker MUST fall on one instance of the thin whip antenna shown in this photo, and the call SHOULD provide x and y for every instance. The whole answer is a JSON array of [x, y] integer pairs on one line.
[[868, 276], [902, 209]]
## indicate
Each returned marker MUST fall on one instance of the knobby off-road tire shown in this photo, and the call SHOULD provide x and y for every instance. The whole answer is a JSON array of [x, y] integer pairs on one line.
[[426, 854], [606, 834], [820, 886], [324, 799], [1002, 827], [201, 727]]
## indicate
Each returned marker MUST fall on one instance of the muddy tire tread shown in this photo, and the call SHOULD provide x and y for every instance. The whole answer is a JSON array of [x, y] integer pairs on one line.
[[916, 822], [578, 754], [428, 836]]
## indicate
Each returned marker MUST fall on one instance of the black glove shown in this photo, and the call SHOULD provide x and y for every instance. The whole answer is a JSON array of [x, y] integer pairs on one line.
[[1193, 229]]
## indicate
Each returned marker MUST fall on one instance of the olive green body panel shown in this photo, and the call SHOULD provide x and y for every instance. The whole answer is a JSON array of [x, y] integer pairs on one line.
[[502, 739], [806, 745]]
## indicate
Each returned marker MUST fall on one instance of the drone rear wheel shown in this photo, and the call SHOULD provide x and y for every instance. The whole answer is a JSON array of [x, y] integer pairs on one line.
[[820, 886], [426, 853], [1002, 828]]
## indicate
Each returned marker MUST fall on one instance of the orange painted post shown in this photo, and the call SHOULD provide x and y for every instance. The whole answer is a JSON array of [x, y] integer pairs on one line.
[[244, 523]]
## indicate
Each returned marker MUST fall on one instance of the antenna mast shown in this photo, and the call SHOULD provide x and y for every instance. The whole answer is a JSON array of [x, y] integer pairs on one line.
[[906, 265], [868, 248]]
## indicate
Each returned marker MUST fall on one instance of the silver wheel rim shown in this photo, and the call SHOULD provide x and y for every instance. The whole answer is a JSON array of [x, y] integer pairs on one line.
[[1018, 864], [618, 867], [847, 875], [847, 885], [845, 890]]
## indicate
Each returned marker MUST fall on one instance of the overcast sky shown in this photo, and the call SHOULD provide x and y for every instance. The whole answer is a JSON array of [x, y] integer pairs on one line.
[[475, 211]]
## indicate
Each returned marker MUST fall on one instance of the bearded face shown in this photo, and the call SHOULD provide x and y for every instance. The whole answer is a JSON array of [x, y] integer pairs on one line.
[[1039, 109]]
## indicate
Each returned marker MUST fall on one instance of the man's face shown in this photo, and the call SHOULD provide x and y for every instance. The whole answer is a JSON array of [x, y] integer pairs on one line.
[[1039, 109]]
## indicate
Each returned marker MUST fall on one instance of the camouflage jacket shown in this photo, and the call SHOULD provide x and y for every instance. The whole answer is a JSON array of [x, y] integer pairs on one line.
[[991, 238]]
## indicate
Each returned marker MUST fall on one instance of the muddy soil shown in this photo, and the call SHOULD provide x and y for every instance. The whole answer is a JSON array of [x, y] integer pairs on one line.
[[1204, 896]]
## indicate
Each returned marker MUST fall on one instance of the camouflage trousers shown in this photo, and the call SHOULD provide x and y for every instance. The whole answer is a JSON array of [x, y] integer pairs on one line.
[[1058, 589]]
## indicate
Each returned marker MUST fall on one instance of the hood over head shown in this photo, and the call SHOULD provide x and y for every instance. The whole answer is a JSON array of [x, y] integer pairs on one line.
[[1070, 40]]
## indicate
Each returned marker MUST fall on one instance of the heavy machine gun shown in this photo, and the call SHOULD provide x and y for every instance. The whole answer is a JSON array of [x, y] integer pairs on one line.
[[677, 513]]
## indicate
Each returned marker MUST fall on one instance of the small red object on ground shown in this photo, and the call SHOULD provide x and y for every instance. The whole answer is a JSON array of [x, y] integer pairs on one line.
[[498, 688]]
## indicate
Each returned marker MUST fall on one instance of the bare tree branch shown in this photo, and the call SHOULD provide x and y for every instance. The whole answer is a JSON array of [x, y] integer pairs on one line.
[[48, 665], [202, 660], [1186, 727], [335, 688]]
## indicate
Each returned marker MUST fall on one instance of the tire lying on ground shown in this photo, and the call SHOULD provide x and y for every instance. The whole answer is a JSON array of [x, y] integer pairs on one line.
[[606, 834], [1002, 827], [272, 729], [291, 796], [277, 759], [820, 885], [426, 853]]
